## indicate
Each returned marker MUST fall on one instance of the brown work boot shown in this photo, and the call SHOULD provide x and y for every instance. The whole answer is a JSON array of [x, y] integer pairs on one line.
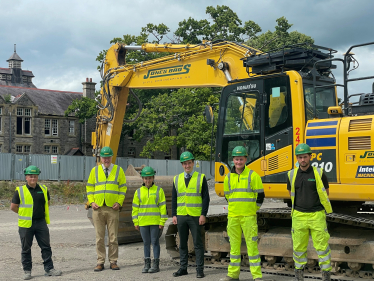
[[114, 266], [99, 267]]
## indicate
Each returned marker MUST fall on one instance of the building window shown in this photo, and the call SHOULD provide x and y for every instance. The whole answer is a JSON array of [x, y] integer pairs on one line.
[[131, 151], [30, 79], [47, 149], [51, 127], [71, 127], [9, 77], [23, 148], [23, 123], [54, 150], [24, 79]]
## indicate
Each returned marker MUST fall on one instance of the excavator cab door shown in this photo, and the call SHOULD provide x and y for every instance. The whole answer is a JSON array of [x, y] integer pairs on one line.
[[241, 121]]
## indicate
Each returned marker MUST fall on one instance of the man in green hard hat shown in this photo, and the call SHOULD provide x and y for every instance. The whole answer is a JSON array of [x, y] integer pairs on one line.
[[190, 203], [106, 190], [308, 188], [245, 194], [31, 203]]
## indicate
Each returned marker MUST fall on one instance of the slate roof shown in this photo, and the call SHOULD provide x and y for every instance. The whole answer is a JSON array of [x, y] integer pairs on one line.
[[15, 56], [49, 102], [75, 152]]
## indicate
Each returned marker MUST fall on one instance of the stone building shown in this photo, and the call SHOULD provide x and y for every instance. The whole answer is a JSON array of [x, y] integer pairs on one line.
[[33, 120]]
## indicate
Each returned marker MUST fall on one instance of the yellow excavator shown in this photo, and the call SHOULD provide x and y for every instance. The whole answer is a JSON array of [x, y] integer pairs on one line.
[[270, 102]]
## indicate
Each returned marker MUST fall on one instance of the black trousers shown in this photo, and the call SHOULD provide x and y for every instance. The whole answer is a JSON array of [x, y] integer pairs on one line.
[[186, 224], [40, 230]]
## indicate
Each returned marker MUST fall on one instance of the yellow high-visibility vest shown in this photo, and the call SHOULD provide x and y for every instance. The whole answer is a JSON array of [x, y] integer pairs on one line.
[[149, 206], [241, 192], [189, 201], [110, 190], [26, 206], [323, 197]]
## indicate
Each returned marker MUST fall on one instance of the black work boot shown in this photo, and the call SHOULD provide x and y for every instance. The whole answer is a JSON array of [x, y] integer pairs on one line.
[[200, 273], [299, 275], [180, 272], [326, 276], [155, 266], [147, 265]]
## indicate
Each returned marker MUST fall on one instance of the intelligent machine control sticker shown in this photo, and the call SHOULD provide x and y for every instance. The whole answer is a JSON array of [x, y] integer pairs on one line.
[[365, 172]]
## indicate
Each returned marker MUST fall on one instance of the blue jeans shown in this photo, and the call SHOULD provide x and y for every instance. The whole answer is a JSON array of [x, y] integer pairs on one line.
[[151, 234]]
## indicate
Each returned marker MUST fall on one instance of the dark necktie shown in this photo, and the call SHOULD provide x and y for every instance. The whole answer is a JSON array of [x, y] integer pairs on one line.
[[106, 172], [188, 176]]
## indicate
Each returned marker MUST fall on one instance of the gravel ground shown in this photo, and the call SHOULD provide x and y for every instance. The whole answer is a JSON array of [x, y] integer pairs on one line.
[[73, 247]]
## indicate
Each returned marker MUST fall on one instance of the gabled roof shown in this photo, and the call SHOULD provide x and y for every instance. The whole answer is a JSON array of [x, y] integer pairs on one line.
[[75, 152], [49, 102], [15, 56]]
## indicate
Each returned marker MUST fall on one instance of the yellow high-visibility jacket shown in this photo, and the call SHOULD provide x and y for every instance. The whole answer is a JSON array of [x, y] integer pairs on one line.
[[149, 206], [26, 206], [110, 190]]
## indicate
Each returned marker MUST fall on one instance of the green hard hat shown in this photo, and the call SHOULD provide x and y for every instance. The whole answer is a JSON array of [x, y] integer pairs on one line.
[[302, 148], [185, 156], [31, 170], [106, 152], [239, 151], [147, 172]]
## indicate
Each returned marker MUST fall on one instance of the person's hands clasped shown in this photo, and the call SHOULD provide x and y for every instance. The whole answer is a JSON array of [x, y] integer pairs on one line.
[[94, 206]]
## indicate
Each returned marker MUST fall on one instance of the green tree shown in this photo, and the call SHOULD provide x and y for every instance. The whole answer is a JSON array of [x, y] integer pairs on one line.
[[280, 37], [83, 108], [225, 25], [181, 112]]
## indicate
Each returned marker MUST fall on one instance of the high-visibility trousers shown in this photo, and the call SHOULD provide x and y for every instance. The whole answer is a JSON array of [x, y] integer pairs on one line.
[[235, 227], [314, 224]]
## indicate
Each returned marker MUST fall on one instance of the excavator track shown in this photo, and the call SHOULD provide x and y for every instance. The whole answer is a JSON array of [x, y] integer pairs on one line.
[[349, 235]]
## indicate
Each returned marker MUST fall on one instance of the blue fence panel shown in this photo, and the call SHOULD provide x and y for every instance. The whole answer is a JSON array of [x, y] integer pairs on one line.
[[72, 168], [79, 167], [49, 170], [123, 163], [89, 163], [20, 162], [174, 167], [160, 166], [6, 166]]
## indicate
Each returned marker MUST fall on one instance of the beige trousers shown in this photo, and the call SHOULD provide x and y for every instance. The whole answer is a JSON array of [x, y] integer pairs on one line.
[[106, 216]]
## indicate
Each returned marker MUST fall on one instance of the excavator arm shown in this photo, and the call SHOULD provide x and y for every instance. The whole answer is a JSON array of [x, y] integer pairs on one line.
[[189, 66]]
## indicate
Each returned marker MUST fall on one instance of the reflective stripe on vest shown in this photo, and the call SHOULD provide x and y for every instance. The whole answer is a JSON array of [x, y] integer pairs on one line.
[[241, 194], [189, 201], [105, 190], [26, 206], [149, 213], [322, 194]]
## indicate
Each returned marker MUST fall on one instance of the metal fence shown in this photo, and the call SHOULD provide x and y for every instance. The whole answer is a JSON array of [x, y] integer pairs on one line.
[[78, 168]]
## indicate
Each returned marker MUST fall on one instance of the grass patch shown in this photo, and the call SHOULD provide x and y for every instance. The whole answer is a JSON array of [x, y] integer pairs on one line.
[[66, 192]]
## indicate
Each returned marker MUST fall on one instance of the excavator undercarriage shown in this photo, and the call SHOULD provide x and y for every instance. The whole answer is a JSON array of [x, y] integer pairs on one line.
[[351, 243]]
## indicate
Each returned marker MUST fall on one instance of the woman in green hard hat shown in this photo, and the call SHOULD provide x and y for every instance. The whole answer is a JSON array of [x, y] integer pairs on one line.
[[149, 215], [31, 203]]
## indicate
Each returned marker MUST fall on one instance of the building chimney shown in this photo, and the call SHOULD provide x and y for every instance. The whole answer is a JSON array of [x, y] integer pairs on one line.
[[89, 88]]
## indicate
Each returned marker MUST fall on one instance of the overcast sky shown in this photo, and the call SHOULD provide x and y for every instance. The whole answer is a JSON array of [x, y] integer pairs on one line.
[[60, 39]]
